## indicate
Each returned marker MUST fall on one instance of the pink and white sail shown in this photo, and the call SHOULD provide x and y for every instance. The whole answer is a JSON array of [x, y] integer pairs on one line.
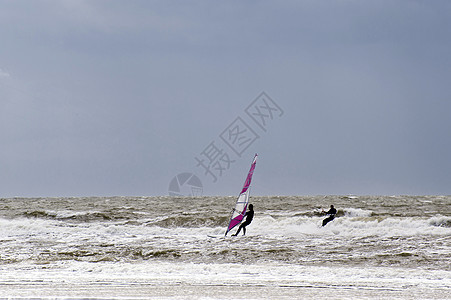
[[243, 199]]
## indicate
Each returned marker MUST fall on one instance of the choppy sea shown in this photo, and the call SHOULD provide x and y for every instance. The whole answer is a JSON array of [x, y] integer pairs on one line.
[[384, 247]]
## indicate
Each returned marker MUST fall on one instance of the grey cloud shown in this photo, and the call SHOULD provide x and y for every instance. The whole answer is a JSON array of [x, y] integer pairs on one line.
[[113, 97]]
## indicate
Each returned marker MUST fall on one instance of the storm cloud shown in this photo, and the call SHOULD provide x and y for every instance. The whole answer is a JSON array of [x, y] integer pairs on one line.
[[118, 97]]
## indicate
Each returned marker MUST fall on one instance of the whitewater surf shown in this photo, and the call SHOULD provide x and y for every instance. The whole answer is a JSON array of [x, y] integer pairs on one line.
[[157, 247]]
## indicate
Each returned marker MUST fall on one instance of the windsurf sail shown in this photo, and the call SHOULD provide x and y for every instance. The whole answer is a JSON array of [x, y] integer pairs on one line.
[[243, 200]]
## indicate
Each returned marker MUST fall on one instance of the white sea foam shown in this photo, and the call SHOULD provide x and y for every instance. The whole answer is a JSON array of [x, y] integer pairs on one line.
[[377, 280], [440, 221], [357, 222], [356, 212], [365, 248]]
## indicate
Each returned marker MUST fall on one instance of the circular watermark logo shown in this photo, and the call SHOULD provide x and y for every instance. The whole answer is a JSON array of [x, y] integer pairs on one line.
[[185, 184]]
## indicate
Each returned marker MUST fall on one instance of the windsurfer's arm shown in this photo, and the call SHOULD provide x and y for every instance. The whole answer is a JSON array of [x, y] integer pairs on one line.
[[331, 212], [240, 212]]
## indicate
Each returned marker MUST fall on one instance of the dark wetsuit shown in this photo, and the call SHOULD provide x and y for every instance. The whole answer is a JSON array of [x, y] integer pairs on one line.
[[331, 216], [249, 216]]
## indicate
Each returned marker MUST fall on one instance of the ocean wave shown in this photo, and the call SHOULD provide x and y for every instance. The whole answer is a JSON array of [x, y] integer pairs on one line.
[[440, 221], [129, 253], [39, 214], [363, 223], [89, 216], [357, 212], [190, 221], [366, 232], [348, 219]]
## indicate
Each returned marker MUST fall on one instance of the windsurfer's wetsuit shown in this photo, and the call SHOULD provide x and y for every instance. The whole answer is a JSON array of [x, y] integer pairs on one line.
[[249, 216], [332, 211]]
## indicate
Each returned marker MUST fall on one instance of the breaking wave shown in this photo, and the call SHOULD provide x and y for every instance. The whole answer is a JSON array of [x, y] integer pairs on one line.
[[357, 212], [440, 221], [90, 216], [366, 231], [346, 218], [189, 221]]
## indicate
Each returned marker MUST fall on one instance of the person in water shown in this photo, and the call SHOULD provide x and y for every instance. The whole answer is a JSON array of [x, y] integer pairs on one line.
[[249, 216], [332, 211]]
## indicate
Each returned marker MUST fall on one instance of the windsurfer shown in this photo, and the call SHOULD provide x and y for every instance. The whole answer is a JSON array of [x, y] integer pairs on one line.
[[331, 212], [249, 216]]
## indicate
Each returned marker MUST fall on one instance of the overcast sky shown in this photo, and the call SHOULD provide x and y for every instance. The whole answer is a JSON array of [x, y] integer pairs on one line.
[[102, 98]]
